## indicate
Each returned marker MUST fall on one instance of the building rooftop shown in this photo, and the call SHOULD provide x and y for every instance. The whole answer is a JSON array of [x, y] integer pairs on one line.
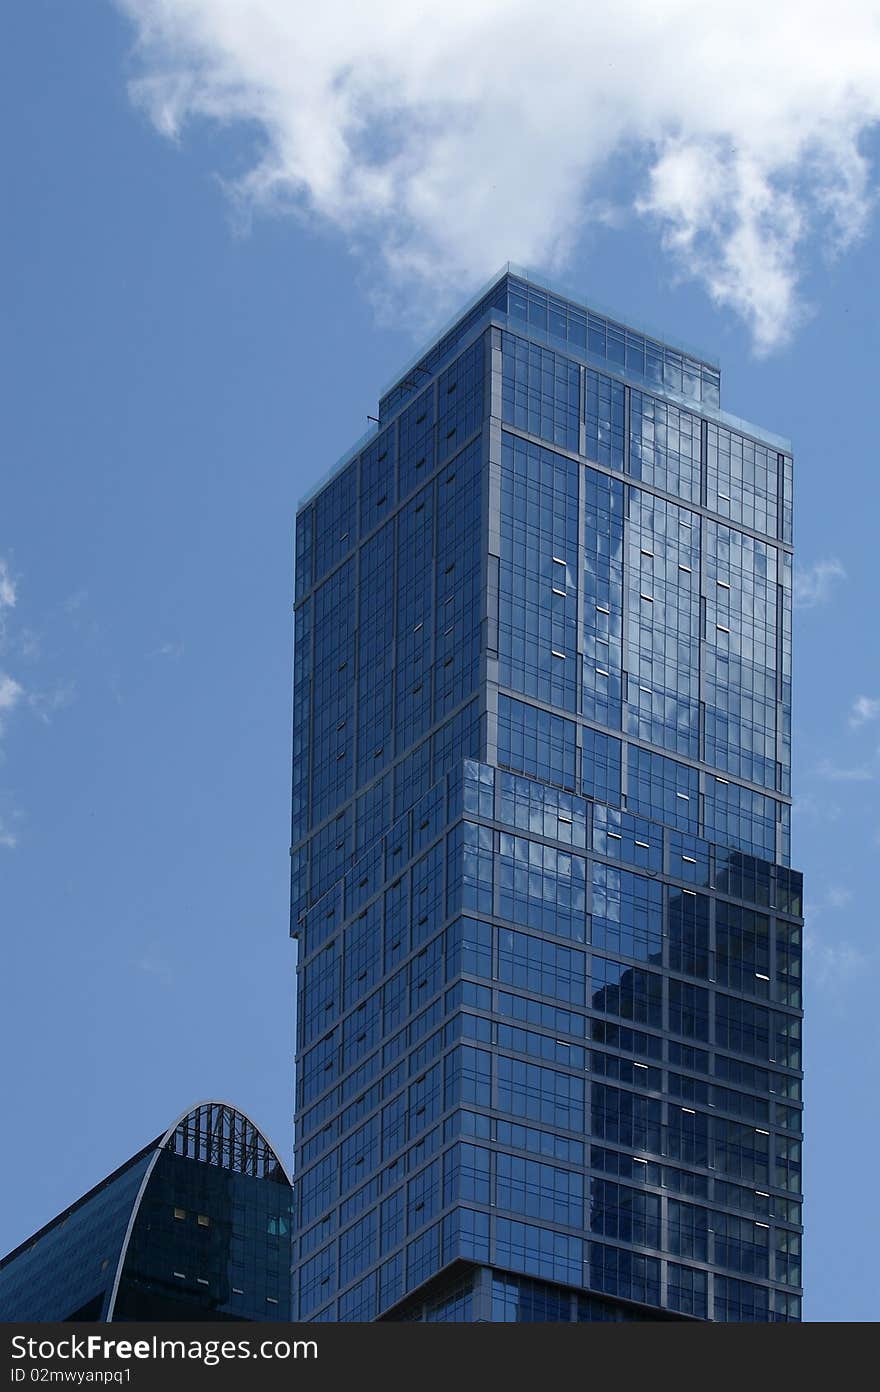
[[600, 337], [585, 303]]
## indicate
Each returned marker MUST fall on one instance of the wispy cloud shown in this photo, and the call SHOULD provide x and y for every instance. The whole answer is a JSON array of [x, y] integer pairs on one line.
[[836, 773], [7, 587], [42, 695], [75, 601], [10, 820], [11, 693], [7, 599], [835, 965], [864, 709], [806, 805], [447, 137], [47, 703], [155, 966], [832, 898], [167, 650], [815, 585], [28, 644], [835, 962], [838, 896], [8, 838]]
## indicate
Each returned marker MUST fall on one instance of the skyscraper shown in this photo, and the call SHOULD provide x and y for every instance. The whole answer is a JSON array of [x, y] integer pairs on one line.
[[549, 940], [196, 1225]]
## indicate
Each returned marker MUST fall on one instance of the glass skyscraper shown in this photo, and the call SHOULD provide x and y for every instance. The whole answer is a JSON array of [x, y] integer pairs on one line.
[[549, 980]]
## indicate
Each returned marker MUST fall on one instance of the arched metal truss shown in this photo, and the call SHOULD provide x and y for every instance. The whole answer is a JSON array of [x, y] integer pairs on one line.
[[216, 1134]]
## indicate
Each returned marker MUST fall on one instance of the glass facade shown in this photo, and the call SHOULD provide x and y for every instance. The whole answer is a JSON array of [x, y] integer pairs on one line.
[[195, 1226], [549, 972]]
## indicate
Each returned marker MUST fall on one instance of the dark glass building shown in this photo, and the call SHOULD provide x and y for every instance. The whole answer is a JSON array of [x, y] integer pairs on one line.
[[197, 1225], [549, 981]]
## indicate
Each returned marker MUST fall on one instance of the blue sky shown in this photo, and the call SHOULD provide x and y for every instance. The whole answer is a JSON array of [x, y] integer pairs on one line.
[[187, 346]]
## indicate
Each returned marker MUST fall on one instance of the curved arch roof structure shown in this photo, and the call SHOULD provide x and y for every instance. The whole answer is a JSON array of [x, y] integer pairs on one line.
[[220, 1134], [76, 1263], [214, 1133]]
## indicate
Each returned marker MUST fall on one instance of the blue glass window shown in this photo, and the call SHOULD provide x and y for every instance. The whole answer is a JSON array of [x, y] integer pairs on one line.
[[541, 1094], [627, 992], [378, 479], [663, 789], [541, 966], [538, 1190], [539, 1251], [628, 1215], [605, 416], [541, 887], [540, 391], [630, 1275], [534, 742], [336, 520], [603, 599], [600, 769], [627, 916], [537, 598]]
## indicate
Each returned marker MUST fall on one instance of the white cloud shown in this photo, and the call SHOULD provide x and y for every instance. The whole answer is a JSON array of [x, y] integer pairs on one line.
[[814, 585], [7, 598], [450, 137], [864, 708], [7, 587], [10, 693]]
